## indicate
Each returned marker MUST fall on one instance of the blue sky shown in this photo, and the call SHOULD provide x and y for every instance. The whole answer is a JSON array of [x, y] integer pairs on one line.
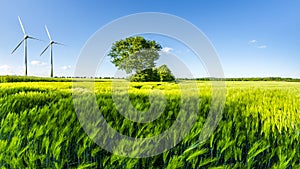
[[252, 38]]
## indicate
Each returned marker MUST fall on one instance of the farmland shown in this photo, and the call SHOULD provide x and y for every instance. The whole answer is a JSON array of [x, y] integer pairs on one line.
[[260, 127]]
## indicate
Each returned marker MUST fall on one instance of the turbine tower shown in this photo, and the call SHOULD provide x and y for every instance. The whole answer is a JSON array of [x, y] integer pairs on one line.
[[51, 50], [25, 44]]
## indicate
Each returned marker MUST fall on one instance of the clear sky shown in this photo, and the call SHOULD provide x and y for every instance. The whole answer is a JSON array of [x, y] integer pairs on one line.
[[252, 38]]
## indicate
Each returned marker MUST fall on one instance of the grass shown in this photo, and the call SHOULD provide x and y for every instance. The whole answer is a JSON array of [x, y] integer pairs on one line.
[[259, 127]]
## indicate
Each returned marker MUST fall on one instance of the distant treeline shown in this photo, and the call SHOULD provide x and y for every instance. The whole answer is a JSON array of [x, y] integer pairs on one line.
[[7, 79], [252, 79]]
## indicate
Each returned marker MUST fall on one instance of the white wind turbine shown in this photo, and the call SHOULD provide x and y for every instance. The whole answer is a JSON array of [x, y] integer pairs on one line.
[[51, 50], [25, 44]]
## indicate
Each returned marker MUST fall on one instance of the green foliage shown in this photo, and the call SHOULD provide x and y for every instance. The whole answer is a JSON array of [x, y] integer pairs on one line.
[[134, 54], [260, 127], [165, 74], [255, 79], [139, 55], [160, 74], [148, 75]]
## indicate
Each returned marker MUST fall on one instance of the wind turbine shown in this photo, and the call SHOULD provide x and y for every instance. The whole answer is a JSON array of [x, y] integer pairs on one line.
[[51, 52], [25, 44]]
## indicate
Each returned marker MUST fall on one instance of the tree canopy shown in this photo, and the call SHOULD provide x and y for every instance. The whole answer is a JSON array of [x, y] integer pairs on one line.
[[165, 74], [160, 74], [134, 54]]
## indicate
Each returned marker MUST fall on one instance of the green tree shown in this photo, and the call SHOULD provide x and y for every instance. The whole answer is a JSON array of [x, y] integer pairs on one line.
[[160, 74], [147, 75], [165, 74], [134, 54]]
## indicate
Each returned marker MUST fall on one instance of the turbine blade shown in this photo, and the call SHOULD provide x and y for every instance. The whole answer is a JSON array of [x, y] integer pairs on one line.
[[17, 46], [57, 43], [45, 50], [33, 38], [22, 25], [48, 33]]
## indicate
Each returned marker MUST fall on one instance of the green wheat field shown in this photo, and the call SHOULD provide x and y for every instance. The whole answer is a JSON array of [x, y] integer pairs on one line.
[[260, 126]]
